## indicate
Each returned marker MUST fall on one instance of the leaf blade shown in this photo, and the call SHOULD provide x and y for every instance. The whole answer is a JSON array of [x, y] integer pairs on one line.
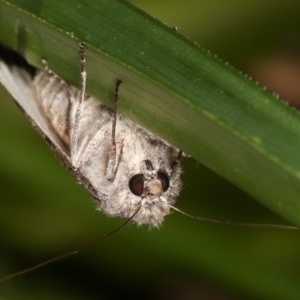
[[172, 87]]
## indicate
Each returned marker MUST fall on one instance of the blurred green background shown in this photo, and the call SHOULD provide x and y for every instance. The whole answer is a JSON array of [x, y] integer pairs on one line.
[[43, 212]]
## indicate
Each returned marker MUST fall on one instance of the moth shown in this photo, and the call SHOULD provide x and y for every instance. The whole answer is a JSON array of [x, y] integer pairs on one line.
[[128, 171]]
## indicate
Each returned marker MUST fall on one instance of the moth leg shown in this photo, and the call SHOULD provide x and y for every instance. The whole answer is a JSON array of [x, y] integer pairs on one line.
[[75, 127], [175, 162], [115, 151], [179, 155]]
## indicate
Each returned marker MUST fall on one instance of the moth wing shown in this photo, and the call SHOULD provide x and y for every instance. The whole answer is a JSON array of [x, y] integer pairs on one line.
[[19, 83]]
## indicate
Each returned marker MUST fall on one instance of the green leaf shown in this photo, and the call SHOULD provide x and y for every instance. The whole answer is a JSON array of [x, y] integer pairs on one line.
[[172, 87], [186, 96]]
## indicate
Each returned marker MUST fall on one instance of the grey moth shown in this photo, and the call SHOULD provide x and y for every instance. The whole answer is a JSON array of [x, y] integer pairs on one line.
[[127, 170]]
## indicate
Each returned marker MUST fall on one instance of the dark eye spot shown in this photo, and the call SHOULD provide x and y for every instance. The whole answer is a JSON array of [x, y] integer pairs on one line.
[[136, 184], [164, 179]]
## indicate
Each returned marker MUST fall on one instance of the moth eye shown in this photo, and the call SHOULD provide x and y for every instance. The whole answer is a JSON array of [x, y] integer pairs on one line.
[[136, 184], [164, 179]]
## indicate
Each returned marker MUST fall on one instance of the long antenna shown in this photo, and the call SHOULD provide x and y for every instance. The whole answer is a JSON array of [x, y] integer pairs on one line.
[[71, 252], [236, 223]]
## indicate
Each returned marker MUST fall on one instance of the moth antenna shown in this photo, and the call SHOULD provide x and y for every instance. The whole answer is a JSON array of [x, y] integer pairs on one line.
[[71, 252], [236, 223]]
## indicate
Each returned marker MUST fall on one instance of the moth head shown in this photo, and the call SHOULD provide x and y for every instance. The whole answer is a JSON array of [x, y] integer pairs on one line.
[[151, 183], [154, 188]]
